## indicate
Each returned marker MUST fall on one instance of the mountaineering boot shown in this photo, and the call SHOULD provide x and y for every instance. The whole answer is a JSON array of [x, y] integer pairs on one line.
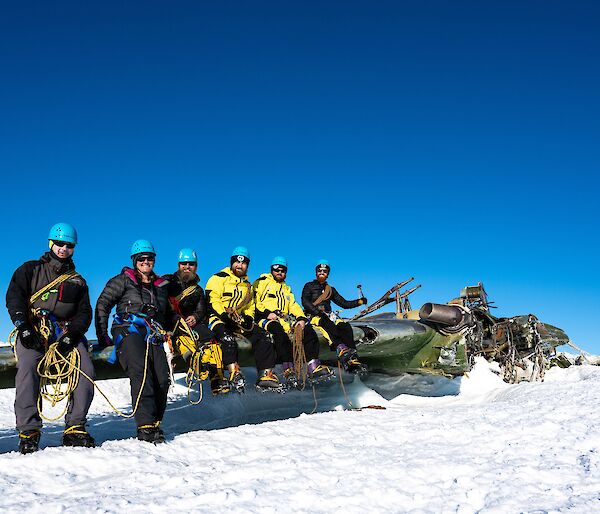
[[29, 441], [290, 379], [77, 435], [349, 360], [237, 381], [268, 381], [319, 373], [151, 433], [218, 383]]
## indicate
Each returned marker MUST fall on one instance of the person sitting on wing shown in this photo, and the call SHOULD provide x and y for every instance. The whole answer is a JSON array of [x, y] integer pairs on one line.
[[142, 304], [188, 306], [49, 292], [231, 311], [278, 312], [317, 296]]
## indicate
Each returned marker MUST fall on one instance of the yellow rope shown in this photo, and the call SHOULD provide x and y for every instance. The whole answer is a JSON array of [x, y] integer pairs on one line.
[[192, 378], [55, 370], [12, 340], [187, 292], [59, 377]]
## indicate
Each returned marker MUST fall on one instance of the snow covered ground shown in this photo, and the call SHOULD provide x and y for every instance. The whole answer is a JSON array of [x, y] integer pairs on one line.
[[469, 445]]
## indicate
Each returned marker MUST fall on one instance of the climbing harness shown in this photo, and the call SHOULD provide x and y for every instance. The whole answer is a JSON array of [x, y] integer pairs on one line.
[[155, 334], [201, 360]]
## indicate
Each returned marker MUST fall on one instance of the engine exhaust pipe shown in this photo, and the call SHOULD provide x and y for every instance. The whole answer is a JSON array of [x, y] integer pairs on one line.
[[443, 314]]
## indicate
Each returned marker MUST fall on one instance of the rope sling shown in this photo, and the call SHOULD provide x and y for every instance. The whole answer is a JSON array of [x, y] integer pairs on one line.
[[234, 312]]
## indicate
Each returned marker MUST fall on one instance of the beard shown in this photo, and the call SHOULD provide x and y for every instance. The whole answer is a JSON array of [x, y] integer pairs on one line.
[[187, 276]]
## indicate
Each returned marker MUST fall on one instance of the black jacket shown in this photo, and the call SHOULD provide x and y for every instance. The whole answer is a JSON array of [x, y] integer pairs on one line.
[[312, 290], [70, 301], [130, 296], [192, 305]]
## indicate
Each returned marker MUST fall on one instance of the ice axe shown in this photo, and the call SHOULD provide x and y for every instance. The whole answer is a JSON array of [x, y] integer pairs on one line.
[[360, 292]]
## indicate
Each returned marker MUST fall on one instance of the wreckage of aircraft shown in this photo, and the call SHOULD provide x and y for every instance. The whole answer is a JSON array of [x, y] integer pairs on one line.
[[438, 339]]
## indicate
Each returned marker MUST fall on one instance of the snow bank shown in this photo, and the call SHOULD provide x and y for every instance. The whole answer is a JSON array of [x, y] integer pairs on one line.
[[483, 445]]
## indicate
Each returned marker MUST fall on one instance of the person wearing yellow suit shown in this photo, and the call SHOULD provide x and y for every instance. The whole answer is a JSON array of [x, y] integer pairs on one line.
[[231, 311], [278, 312]]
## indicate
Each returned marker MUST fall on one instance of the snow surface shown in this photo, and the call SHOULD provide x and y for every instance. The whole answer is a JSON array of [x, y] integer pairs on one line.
[[467, 445]]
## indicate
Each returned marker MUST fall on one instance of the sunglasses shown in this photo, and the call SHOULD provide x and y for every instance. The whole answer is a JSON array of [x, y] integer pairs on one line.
[[146, 258], [60, 244], [191, 264], [279, 270]]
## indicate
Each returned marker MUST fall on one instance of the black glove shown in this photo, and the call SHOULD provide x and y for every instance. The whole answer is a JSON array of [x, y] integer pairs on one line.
[[66, 342], [28, 337], [104, 341], [363, 300], [247, 322]]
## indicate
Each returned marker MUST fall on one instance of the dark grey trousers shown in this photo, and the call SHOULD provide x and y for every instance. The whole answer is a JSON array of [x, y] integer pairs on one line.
[[27, 389]]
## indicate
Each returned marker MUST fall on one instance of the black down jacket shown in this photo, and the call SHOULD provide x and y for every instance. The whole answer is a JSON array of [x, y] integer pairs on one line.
[[193, 304], [70, 301], [130, 296]]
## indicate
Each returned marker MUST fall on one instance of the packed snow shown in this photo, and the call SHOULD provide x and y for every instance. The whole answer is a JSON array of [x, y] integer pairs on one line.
[[465, 445]]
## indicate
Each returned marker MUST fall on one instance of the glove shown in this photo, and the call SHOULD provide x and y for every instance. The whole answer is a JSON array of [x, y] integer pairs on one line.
[[247, 322], [66, 342], [28, 337], [363, 301], [103, 341]]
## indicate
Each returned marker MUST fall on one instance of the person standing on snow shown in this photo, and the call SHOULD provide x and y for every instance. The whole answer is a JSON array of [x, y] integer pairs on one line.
[[142, 303], [49, 292], [276, 311], [317, 296], [231, 310], [189, 315]]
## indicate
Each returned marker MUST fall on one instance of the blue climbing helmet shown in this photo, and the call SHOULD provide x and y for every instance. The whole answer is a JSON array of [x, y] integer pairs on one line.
[[63, 232], [188, 255], [323, 264], [279, 261], [142, 246], [241, 254]]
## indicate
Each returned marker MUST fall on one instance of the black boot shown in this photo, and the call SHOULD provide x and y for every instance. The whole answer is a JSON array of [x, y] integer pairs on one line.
[[268, 381], [219, 385], [319, 373], [237, 381], [77, 435], [29, 441], [151, 433], [290, 379], [349, 360]]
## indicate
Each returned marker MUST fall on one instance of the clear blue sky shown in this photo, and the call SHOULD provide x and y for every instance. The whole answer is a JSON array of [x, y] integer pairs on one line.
[[450, 141]]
